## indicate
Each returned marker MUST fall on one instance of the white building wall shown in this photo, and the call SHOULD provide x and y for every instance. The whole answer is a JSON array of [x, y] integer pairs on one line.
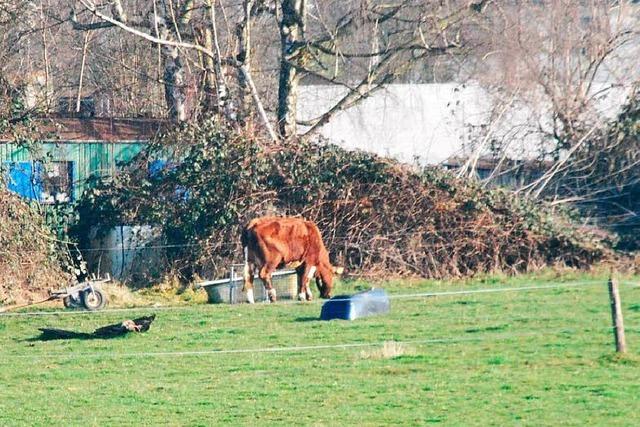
[[427, 121], [431, 122]]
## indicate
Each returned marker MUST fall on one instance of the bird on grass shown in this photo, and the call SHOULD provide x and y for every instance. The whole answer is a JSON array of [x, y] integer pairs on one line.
[[141, 324]]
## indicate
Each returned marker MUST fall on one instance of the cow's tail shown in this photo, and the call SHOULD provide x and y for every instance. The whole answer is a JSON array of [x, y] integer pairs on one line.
[[245, 252], [246, 238]]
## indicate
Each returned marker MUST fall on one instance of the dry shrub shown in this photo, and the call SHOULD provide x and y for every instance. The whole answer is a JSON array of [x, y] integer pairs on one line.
[[29, 263], [120, 296], [389, 350]]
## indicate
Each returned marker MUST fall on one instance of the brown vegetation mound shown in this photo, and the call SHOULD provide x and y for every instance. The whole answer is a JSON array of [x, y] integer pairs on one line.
[[28, 262], [376, 215]]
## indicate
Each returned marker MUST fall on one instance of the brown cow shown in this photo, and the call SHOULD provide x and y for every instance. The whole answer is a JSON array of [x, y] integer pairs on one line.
[[273, 242]]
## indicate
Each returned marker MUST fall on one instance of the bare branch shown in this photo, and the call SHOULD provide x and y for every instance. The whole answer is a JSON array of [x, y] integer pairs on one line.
[[114, 22], [256, 98]]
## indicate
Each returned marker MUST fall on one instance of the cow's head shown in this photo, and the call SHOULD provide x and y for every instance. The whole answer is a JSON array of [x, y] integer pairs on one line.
[[324, 279]]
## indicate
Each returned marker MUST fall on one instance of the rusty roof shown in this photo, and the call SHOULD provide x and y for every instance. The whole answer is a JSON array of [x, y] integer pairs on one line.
[[100, 129]]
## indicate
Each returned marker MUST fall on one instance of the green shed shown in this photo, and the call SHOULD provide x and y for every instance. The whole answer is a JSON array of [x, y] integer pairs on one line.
[[82, 148]]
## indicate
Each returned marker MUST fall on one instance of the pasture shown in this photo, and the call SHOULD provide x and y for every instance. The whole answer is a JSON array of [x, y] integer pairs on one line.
[[528, 357]]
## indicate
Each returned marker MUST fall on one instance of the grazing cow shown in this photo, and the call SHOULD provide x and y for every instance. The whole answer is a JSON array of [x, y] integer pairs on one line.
[[269, 243]]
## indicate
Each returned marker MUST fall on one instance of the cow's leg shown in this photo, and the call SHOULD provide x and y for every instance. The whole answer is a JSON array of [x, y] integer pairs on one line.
[[300, 275], [265, 276], [305, 274], [310, 274], [247, 288]]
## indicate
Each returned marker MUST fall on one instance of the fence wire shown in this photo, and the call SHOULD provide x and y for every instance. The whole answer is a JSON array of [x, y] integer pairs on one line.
[[393, 296], [482, 337], [285, 349]]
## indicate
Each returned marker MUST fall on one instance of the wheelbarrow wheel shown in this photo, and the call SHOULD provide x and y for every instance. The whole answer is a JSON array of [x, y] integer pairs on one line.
[[93, 300]]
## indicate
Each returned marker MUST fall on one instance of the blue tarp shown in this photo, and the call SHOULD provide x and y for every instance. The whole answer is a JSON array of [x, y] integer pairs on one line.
[[25, 179], [349, 307], [158, 167]]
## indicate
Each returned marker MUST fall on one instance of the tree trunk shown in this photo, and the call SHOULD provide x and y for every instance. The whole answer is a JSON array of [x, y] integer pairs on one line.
[[291, 39], [210, 74], [174, 84], [243, 32], [223, 103], [174, 73]]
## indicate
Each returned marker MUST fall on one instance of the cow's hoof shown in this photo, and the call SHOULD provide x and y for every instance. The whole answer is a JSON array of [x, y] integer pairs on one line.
[[250, 299], [302, 296], [272, 295]]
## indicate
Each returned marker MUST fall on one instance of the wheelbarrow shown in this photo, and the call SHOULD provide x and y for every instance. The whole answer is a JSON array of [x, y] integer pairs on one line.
[[86, 294]]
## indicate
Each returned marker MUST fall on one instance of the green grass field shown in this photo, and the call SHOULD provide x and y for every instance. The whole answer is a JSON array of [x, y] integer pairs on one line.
[[540, 357]]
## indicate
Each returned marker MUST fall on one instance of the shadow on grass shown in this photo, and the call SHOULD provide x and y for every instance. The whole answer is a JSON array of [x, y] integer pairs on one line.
[[141, 324], [307, 319], [61, 334], [620, 359], [495, 328]]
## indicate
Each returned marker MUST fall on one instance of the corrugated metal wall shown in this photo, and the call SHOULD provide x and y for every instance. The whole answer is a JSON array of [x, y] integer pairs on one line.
[[89, 158]]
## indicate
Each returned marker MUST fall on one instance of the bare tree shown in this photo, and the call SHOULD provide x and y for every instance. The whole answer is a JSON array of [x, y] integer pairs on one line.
[[562, 58], [211, 61], [168, 25], [362, 47]]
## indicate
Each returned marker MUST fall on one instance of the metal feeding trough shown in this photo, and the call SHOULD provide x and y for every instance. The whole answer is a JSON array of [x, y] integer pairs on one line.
[[229, 290]]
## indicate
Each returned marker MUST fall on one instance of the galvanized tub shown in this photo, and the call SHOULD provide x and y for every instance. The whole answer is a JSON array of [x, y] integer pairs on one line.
[[229, 291]]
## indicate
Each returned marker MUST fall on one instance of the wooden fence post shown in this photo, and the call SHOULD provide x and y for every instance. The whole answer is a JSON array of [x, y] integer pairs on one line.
[[616, 315]]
